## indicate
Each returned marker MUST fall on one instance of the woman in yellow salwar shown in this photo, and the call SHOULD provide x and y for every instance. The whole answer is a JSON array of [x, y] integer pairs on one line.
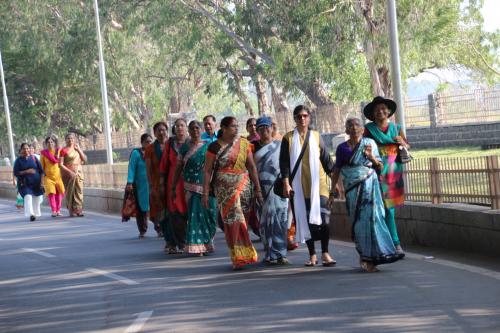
[[52, 181], [228, 166], [70, 161]]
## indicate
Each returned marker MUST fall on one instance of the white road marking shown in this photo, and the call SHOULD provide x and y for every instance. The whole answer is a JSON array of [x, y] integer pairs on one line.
[[139, 322], [113, 276], [42, 253], [469, 268]]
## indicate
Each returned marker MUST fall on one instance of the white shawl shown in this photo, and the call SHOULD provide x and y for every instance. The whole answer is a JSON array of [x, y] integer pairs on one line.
[[299, 203]]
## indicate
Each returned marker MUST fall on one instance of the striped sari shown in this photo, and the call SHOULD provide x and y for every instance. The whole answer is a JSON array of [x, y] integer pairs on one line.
[[273, 214], [232, 191]]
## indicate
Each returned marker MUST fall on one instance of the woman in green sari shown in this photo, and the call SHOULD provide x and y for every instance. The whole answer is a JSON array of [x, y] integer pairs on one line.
[[201, 220], [71, 160]]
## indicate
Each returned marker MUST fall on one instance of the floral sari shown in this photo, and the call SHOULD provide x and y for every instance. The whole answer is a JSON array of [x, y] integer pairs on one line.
[[273, 215], [365, 207], [232, 191], [201, 221], [73, 185]]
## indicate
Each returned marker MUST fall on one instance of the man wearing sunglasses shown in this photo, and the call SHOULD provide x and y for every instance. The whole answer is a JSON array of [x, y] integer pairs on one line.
[[303, 149]]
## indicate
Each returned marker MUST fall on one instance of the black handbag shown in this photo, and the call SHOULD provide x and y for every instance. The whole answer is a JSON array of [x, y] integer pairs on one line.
[[278, 183], [404, 155]]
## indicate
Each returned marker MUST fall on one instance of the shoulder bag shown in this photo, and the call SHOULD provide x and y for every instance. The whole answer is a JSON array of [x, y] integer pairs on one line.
[[278, 183]]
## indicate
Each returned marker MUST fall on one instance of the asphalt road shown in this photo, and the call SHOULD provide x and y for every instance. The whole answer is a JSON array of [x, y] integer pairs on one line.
[[93, 274]]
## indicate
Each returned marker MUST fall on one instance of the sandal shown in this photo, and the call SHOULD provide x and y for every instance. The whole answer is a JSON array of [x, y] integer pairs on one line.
[[282, 261], [313, 261], [327, 261], [169, 250], [368, 267]]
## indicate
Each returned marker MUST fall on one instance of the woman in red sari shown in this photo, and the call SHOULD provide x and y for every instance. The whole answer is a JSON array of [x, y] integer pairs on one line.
[[176, 206], [231, 162]]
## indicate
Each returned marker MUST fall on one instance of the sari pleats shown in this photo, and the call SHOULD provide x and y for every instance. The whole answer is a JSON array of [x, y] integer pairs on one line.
[[232, 191]]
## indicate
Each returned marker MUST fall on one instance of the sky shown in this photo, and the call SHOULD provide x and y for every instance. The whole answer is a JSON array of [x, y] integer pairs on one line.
[[491, 11], [426, 83]]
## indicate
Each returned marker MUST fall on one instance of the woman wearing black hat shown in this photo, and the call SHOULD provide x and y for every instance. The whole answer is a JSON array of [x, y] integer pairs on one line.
[[389, 137]]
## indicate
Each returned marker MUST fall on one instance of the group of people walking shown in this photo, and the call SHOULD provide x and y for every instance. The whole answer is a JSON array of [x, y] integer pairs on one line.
[[55, 172], [189, 182]]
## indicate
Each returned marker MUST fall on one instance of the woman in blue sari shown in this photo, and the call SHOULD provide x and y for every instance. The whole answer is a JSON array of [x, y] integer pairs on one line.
[[201, 221], [358, 161], [273, 213]]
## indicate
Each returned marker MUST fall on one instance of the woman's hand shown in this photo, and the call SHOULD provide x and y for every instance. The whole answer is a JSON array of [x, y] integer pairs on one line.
[[287, 190], [204, 200], [369, 152], [400, 140], [29, 171], [129, 187], [330, 201], [259, 198]]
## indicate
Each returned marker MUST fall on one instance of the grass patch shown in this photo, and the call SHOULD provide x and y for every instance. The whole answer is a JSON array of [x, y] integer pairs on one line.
[[464, 151]]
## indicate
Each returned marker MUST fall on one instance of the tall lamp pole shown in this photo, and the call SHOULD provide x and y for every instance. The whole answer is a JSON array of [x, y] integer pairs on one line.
[[104, 90], [7, 113], [395, 63]]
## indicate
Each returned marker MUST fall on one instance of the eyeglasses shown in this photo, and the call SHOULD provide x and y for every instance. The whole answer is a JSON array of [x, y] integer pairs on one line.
[[302, 116]]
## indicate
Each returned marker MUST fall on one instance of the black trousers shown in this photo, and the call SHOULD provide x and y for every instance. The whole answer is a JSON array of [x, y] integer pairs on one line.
[[319, 232]]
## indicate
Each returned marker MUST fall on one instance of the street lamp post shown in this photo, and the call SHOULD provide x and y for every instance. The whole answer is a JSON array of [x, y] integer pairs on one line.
[[395, 63], [7, 112], [104, 91]]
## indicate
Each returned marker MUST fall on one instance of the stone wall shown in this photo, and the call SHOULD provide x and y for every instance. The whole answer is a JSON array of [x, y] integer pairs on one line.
[[486, 134], [459, 227], [455, 135]]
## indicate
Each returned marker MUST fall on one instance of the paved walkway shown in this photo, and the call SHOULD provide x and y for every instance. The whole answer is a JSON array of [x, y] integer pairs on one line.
[[93, 275]]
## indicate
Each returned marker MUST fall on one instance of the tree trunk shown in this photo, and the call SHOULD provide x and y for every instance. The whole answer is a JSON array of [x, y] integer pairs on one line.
[[282, 112], [238, 77], [260, 88], [278, 98], [379, 75]]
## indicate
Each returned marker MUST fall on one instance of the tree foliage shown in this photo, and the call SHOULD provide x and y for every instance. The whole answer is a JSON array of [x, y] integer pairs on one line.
[[220, 56]]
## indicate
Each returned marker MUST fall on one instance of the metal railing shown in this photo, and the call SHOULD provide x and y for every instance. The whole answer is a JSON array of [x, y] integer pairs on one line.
[[473, 180]]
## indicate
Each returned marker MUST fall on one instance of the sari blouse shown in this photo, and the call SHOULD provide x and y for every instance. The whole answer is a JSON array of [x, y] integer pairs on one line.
[[71, 159], [193, 159], [237, 160]]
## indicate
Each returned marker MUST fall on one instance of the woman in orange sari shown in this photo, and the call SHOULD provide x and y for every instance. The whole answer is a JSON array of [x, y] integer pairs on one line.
[[230, 161], [152, 155], [71, 159]]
